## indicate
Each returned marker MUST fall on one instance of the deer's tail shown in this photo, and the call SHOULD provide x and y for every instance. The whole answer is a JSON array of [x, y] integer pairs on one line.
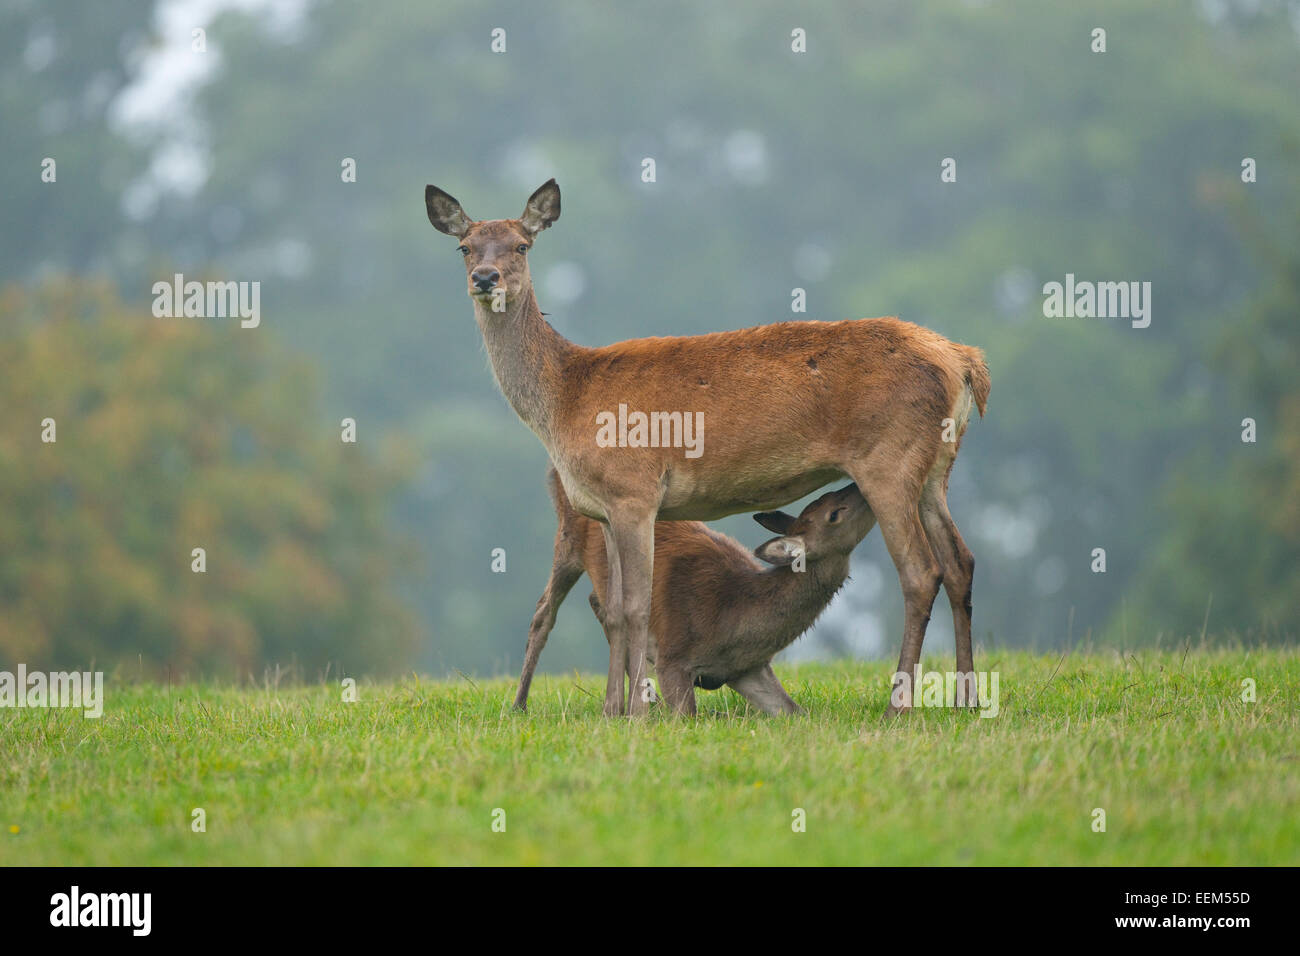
[[569, 521], [977, 375], [558, 497]]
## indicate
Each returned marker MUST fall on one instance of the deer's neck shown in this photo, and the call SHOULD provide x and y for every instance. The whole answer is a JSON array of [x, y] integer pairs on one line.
[[527, 358], [813, 588], [794, 600]]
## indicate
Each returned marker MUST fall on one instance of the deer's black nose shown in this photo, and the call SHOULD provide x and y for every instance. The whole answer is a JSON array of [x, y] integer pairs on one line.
[[485, 279]]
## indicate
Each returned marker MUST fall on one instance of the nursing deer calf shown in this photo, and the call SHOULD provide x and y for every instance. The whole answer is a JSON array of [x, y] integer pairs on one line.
[[717, 615], [779, 410]]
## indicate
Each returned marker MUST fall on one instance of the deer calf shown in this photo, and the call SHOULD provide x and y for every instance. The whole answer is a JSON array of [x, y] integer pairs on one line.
[[717, 615]]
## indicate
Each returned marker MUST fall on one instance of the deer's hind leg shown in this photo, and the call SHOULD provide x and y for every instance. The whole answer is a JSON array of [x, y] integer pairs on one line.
[[676, 688], [762, 689], [958, 571], [566, 568], [891, 480]]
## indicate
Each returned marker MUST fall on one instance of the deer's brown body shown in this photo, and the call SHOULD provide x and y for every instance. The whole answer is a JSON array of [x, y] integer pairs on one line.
[[786, 408], [718, 616], [780, 403]]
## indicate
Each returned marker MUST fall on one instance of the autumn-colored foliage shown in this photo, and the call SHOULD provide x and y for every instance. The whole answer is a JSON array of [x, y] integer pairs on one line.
[[171, 435]]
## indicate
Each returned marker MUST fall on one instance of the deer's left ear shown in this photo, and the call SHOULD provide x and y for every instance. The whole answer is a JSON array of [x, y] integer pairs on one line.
[[445, 213], [780, 551], [543, 208]]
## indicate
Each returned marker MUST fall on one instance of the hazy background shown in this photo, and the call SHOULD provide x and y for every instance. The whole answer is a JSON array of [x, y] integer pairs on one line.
[[775, 170]]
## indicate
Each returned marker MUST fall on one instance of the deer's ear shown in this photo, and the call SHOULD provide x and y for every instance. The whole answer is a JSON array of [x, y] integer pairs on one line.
[[543, 208], [775, 521], [445, 213], [780, 551]]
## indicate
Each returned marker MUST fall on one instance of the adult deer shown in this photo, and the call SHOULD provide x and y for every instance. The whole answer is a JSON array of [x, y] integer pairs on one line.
[[789, 407], [717, 615]]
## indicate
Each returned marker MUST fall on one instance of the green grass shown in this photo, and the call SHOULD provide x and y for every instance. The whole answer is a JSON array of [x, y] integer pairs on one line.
[[1186, 772]]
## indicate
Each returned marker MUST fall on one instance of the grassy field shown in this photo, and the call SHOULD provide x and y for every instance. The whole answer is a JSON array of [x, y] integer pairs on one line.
[[412, 773]]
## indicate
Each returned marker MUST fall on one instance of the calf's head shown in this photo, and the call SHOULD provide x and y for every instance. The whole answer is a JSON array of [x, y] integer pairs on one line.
[[828, 527]]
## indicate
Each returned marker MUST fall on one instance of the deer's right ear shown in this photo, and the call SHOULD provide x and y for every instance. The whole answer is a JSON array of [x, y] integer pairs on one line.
[[445, 213], [775, 521], [780, 551], [542, 209]]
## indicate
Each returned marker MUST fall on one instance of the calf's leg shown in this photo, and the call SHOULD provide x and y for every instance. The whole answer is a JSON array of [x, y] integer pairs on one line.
[[762, 689]]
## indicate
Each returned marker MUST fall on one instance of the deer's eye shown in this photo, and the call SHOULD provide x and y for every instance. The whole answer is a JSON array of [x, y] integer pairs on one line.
[[835, 516], [522, 248], [463, 250]]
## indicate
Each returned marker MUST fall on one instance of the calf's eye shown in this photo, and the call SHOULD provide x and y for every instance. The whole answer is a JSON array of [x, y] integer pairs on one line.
[[521, 249], [463, 250]]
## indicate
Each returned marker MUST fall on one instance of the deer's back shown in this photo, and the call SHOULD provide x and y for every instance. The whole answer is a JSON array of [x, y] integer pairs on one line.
[[782, 408]]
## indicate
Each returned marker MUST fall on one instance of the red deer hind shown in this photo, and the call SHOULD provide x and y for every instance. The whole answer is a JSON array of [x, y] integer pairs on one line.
[[785, 409]]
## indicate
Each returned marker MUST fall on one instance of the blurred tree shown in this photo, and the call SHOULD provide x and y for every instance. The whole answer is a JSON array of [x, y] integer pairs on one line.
[[61, 65], [1233, 507], [173, 435], [775, 170]]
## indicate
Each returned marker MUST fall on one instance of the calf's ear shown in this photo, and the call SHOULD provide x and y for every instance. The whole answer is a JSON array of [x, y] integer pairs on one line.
[[776, 521], [780, 551]]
